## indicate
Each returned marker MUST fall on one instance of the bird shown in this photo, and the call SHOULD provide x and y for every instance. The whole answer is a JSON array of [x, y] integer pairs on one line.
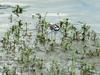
[[54, 27]]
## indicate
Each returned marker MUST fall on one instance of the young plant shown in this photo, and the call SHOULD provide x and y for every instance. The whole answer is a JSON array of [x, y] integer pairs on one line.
[[86, 69], [52, 45], [66, 44], [41, 38], [17, 10]]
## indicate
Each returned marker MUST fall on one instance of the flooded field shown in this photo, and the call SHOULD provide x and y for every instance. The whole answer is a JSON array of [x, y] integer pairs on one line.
[[49, 37]]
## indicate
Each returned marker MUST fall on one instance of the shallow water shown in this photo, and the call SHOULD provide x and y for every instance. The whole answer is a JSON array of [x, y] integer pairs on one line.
[[77, 10]]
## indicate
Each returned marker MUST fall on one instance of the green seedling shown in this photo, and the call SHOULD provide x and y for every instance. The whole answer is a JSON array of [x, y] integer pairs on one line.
[[86, 69], [17, 10]]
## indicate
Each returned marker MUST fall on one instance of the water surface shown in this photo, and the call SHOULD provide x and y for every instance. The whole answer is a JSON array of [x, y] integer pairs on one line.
[[76, 10]]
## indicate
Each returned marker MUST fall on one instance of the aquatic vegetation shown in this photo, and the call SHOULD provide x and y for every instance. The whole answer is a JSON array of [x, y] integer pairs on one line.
[[17, 10], [86, 69], [64, 27], [52, 45], [55, 69], [41, 38], [66, 44], [93, 53], [29, 48], [85, 31], [42, 24]]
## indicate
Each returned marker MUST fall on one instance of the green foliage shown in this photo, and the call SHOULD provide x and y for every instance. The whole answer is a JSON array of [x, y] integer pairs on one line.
[[56, 69], [86, 69], [17, 44], [17, 10], [66, 44], [41, 38]]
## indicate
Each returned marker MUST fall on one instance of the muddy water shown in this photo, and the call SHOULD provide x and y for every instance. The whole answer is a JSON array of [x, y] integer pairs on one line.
[[69, 8]]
